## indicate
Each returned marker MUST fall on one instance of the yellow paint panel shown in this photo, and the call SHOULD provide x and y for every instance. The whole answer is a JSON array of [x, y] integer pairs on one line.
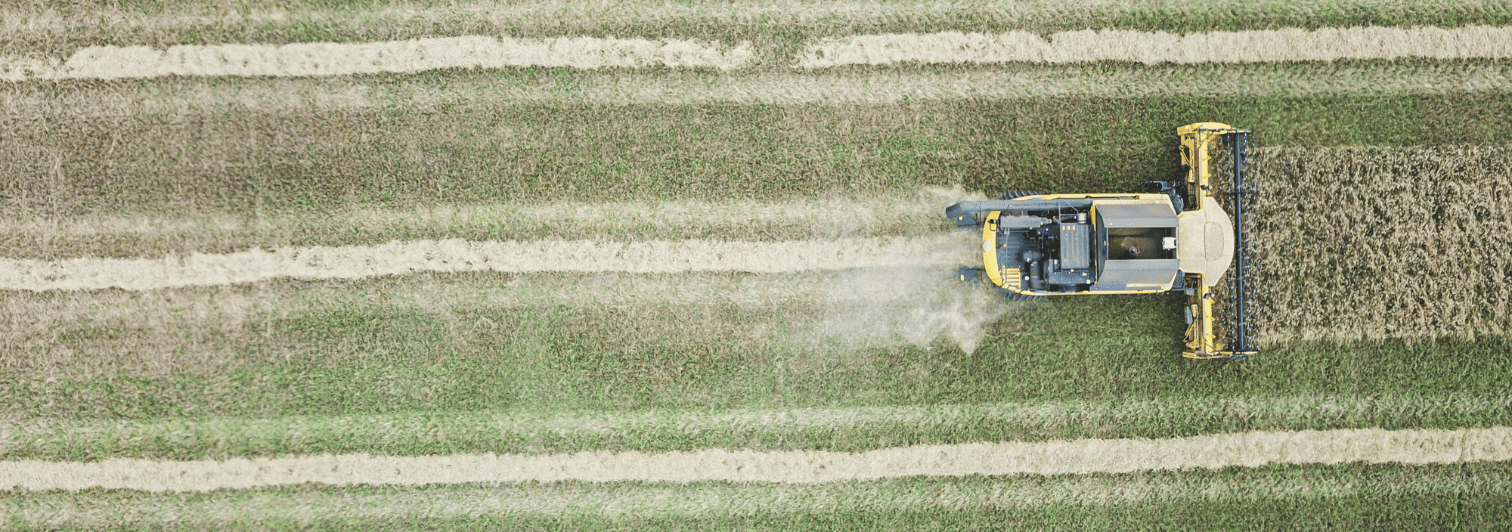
[[989, 248]]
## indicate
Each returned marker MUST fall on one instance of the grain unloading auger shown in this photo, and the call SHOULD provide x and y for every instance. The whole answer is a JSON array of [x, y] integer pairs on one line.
[[1178, 238]]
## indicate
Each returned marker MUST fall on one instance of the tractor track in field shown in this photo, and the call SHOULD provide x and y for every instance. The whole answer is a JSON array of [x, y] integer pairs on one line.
[[397, 258], [1217, 451]]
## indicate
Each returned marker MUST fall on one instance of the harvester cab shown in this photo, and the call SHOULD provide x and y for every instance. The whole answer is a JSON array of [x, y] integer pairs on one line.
[[1176, 238]]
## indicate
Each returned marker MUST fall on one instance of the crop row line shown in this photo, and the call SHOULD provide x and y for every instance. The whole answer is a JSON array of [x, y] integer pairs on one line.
[[1251, 449], [475, 51]]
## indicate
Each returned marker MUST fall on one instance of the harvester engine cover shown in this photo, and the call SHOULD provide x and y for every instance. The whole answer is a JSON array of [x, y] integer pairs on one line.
[[1047, 245]]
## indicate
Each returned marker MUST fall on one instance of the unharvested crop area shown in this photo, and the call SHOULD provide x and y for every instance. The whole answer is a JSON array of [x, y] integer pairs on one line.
[[639, 265], [1368, 243]]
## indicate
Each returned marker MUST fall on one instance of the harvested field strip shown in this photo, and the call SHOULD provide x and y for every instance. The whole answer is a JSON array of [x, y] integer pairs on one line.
[[34, 313], [509, 319], [836, 86], [486, 341], [303, 506], [1327, 44], [46, 27], [338, 59], [1373, 243], [1251, 449], [396, 258], [853, 429], [322, 161], [110, 236], [476, 51]]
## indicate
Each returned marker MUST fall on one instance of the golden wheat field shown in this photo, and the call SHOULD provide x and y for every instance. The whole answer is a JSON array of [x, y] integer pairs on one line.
[[1374, 243]]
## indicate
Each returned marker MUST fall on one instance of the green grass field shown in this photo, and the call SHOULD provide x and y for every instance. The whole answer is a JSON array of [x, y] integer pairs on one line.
[[557, 362]]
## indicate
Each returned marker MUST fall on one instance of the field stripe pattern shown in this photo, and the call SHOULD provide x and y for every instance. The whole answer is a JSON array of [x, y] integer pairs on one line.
[[834, 429], [1403, 227], [334, 59], [54, 29], [306, 505], [1151, 48], [836, 86], [146, 235], [656, 265], [1217, 451]]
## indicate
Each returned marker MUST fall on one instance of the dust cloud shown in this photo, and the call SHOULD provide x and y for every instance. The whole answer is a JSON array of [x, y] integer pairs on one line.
[[906, 306], [912, 305]]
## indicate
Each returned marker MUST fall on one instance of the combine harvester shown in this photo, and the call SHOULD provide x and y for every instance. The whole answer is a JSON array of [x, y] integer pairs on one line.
[[1177, 239]]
